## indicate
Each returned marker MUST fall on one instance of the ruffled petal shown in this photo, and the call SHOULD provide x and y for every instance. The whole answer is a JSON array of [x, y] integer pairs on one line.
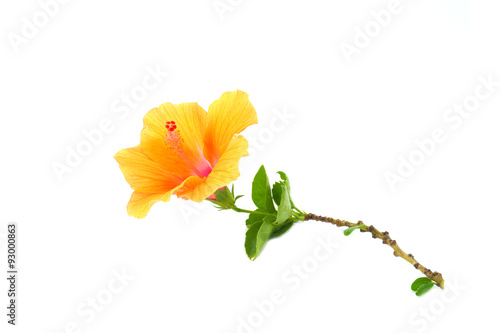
[[227, 117], [140, 203], [225, 171], [143, 174]]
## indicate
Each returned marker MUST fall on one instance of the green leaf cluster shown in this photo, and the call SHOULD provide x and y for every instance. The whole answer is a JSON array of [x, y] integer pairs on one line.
[[275, 213]]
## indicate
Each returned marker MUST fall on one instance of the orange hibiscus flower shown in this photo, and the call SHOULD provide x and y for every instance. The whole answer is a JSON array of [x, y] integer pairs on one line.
[[186, 151]]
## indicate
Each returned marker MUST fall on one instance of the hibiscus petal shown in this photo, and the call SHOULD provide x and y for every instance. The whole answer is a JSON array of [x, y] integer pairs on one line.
[[140, 203], [227, 116], [143, 174], [225, 171]]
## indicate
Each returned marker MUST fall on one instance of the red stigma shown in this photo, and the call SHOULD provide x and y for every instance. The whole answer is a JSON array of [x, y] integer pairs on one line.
[[170, 125]]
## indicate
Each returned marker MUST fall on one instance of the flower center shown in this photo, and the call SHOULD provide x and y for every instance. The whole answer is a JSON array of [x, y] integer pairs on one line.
[[173, 138], [175, 143]]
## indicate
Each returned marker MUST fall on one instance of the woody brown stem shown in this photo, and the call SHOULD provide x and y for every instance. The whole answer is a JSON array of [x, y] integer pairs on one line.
[[386, 239]]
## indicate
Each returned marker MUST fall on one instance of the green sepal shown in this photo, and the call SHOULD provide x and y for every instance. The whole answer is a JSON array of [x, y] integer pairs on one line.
[[224, 198]]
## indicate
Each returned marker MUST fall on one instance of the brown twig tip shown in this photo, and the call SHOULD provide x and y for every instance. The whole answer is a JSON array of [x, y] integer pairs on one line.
[[386, 239]]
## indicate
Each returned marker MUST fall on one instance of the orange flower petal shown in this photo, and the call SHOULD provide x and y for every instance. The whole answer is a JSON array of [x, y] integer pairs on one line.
[[227, 116], [144, 174], [225, 171], [140, 203]]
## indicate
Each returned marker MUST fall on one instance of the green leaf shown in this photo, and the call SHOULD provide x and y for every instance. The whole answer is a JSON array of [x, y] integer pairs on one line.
[[265, 231], [277, 192], [253, 218], [424, 288], [281, 230], [420, 281], [349, 231], [261, 191], [284, 208], [285, 178], [422, 285], [257, 236], [251, 240]]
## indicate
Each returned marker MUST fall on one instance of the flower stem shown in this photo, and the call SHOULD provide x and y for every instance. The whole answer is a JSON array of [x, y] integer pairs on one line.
[[239, 210], [386, 239]]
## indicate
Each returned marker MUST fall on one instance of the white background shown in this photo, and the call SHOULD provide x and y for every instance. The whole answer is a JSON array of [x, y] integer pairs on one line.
[[347, 125]]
